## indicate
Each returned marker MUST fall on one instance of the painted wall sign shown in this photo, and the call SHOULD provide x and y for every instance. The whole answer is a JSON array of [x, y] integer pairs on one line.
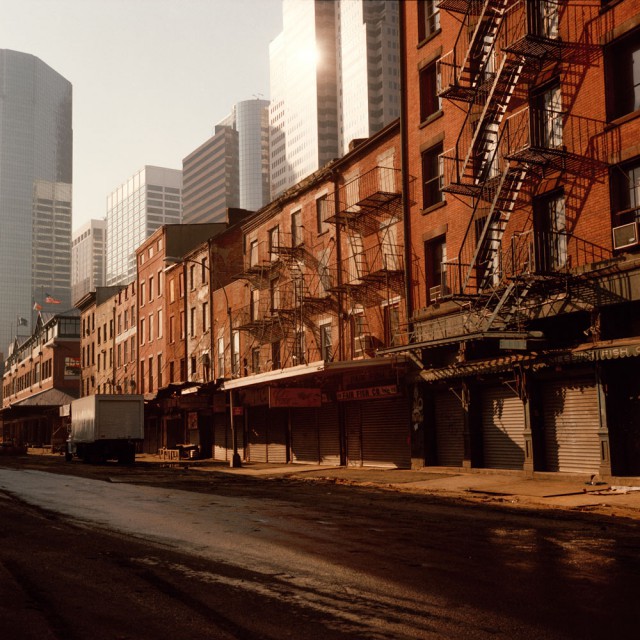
[[294, 397], [368, 393]]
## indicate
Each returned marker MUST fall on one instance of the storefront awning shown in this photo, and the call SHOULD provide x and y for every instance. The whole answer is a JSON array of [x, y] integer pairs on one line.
[[584, 353], [319, 366], [272, 376], [47, 398]]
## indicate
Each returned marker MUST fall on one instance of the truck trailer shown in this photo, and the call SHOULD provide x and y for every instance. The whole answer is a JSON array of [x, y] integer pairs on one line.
[[106, 427]]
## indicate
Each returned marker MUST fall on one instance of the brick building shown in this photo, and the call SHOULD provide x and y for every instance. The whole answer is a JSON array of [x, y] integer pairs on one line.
[[321, 288], [524, 303], [41, 373]]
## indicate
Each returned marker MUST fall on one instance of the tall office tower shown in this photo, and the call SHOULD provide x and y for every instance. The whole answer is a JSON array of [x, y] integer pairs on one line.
[[252, 123], [36, 142], [210, 176], [334, 75], [88, 258], [51, 236], [231, 169], [147, 200], [368, 68], [304, 92]]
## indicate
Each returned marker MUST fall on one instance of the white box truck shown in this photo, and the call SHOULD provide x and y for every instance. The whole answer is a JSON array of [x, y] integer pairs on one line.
[[106, 427]]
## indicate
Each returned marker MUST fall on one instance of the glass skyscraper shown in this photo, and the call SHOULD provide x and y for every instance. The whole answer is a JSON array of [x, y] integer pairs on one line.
[[150, 198], [36, 144], [334, 77]]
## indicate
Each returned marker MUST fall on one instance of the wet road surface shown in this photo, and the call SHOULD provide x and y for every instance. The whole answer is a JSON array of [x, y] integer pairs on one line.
[[238, 558]]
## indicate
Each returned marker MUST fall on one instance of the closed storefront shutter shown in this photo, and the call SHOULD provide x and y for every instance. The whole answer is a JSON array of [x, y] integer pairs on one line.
[[502, 429], [329, 434], [352, 425], [219, 437], [571, 423], [449, 419], [257, 427], [305, 443], [385, 433], [277, 421]]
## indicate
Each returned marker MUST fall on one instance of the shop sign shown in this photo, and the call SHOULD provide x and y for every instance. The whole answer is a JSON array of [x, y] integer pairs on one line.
[[368, 393], [193, 402], [192, 420], [254, 397], [599, 354], [294, 397], [219, 403]]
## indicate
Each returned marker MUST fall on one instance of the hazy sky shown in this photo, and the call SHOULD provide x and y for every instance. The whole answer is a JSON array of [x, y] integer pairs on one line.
[[150, 77]]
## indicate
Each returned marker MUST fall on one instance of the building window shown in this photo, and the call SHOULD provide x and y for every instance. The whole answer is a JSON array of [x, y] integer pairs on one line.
[[274, 295], [253, 253], [142, 292], [322, 214], [625, 191], [430, 102], [142, 336], [431, 176], [150, 373], [274, 243], [150, 327], [296, 228], [391, 324], [235, 354], [192, 322], [194, 366], [182, 327], [172, 291], [550, 232], [435, 252], [428, 18], [276, 362], [220, 357], [548, 118], [205, 317], [623, 75], [254, 304], [326, 352], [192, 277], [172, 336], [205, 268], [159, 329], [299, 348], [255, 360], [159, 376], [150, 288]]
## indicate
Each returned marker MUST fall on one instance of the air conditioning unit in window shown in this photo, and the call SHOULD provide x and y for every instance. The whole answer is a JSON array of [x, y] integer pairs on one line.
[[625, 235]]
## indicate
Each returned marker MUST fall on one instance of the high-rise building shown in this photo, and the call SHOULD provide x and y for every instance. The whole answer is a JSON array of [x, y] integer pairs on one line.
[[147, 200], [369, 68], [51, 234], [36, 142], [334, 78], [88, 258], [230, 169]]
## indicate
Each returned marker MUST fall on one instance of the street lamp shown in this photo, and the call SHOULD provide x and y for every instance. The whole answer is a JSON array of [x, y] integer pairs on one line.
[[235, 461]]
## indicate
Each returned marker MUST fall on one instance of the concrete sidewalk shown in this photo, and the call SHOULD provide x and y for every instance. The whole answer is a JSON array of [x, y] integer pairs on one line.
[[620, 497]]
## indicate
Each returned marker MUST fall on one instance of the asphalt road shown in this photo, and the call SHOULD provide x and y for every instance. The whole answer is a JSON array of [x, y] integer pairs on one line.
[[181, 555]]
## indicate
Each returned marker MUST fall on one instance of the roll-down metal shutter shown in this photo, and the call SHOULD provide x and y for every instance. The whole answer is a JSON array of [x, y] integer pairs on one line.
[[385, 433], [571, 422], [305, 442], [502, 428], [220, 437], [449, 418], [329, 434], [257, 426], [352, 425], [277, 421]]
